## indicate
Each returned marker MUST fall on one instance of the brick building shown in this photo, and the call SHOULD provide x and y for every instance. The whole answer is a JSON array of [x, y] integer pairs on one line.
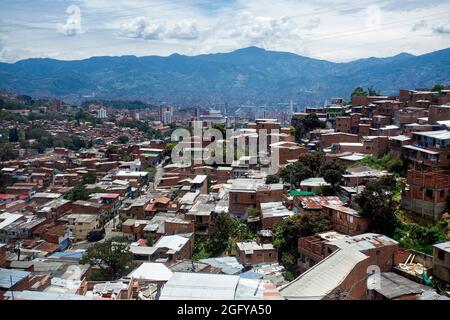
[[426, 192], [346, 220], [441, 261], [245, 193], [252, 253]]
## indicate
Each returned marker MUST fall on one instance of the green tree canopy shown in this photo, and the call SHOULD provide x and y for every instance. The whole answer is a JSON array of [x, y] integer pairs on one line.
[[112, 257], [358, 92], [371, 91], [332, 173], [309, 122], [438, 88], [287, 232], [271, 179], [377, 203], [295, 173], [122, 139], [89, 178]]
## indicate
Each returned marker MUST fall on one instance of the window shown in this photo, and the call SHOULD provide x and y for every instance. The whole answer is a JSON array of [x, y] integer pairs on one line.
[[429, 193], [441, 255]]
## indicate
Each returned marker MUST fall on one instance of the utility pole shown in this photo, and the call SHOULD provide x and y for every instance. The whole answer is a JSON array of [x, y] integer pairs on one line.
[[12, 291]]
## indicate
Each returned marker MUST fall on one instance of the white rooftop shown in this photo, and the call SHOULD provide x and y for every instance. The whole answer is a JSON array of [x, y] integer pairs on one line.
[[314, 182], [174, 242], [200, 286], [274, 209], [319, 281], [151, 272], [7, 218], [439, 134]]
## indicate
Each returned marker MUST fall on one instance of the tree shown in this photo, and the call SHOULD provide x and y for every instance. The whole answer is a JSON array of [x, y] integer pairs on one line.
[[111, 150], [288, 276], [126, 157], [252, 212], [7, 152], [358, 92], [228, 231], [123, 139], [421, 238], [332, 173], [287, 232], [295, 173], [377, 203], [305, 125], [271, 179], [79, 192], [438, 88], [149, 240], [13, 135], [372, 91], [112, 257], [168, 149], [151, 173], [89, 178], [313, 161], [77, 143]]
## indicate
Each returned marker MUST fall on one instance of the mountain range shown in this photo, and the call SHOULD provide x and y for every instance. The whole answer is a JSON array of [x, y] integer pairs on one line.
[[245, 76]]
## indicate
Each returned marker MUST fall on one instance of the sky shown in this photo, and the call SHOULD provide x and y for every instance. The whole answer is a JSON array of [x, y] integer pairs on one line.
[[334, 30]]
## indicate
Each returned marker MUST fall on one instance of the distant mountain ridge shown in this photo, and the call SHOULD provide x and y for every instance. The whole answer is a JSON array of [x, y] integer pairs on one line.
[[250, 75]]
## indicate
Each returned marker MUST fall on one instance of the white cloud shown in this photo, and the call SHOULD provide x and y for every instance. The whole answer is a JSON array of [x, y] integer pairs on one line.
[[373, 17], [260, 29], [72, 26], [338, 30], [419, 25], [443, 28], [141, 27]]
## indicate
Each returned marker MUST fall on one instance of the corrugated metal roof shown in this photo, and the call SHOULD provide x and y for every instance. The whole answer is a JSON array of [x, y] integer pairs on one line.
[[9, 277], [324, 277], [443, 246], [40, 295], [393, 286], [200, 286], [228, 265]]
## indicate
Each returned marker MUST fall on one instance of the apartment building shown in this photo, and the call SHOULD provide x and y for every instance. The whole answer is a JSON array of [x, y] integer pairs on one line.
[[426, 192], [252, 253], [81, 224], [346, 220], [245, 193]]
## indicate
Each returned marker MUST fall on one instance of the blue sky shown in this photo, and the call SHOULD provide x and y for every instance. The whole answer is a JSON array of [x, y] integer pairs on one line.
[[335, 30]]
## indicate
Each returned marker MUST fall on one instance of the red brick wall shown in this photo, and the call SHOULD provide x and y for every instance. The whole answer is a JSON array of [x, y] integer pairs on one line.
[[436, 113], [2, 256], [171, 228], [258, 257], [328, 140]]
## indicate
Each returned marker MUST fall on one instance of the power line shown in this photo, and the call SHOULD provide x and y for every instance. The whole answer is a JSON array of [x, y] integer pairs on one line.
[[342, 7], [312, 13], [336, 35]]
